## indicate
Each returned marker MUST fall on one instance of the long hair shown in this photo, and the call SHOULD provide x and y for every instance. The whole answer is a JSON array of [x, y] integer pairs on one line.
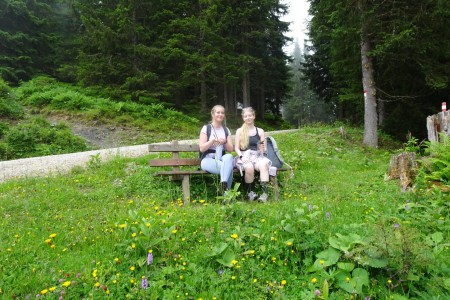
[[244, 139]]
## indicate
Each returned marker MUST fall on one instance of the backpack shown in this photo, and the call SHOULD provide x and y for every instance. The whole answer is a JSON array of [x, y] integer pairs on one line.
[[208, 134], [273, 154]]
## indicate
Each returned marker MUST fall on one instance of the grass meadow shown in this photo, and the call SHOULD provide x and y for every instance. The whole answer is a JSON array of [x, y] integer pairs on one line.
[[340, 231]]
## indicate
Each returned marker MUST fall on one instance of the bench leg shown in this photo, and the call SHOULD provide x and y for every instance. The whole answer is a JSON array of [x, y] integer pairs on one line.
[[276, 190], [186, 189]]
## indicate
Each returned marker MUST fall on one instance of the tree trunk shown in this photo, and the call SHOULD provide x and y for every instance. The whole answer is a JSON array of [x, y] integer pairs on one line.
[[204, 104], [381, 112], [370, 103], [246, 89]]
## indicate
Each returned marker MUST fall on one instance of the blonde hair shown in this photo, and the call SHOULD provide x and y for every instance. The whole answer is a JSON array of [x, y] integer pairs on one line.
[[243, 138], [213, 110]]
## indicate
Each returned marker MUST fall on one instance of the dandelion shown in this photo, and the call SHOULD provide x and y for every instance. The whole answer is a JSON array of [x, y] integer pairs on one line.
[[48, 241], [233, 277], [52, 235], [132, 268], [53, 288], [322, 262], [122, 225], [144, 283], [283, 282], [66, 283], [289, 244], [45, 291], [174, 231], [234, 236], [133, 246], [314, 280], [134, 234], [149, 258], [234, 262], [97, 284]]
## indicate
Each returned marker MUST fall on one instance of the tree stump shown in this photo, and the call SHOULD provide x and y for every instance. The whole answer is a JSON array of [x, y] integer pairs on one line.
[[404, 167]]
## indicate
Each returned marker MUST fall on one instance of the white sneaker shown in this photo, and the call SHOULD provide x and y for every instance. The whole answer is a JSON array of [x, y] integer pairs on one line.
[[252, 195], [263, 197]]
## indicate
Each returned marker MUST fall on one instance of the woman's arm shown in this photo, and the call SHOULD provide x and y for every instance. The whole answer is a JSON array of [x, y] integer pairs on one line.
[[262, 137], [203, 143], [228, 143]]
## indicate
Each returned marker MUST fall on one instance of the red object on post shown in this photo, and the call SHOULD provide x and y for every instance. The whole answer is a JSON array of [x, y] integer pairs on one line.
[[444, 106]]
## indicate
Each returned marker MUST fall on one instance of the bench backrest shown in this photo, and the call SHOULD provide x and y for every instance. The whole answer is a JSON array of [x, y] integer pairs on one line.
[[175, 148]]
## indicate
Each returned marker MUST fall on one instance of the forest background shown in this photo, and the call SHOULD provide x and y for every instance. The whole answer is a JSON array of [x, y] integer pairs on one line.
[[189, 55]]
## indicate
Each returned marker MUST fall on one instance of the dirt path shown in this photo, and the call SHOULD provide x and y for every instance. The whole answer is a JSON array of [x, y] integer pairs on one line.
[[60, 164]]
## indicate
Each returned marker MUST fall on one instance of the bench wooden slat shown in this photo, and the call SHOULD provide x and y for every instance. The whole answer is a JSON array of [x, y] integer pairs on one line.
[[165, 162], [181, 172], [173, 148]]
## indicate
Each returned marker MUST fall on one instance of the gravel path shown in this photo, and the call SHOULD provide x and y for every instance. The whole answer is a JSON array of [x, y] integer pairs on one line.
[[60, 164]]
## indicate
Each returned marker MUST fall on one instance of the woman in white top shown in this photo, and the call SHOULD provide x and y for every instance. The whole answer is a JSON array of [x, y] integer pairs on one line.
[[212, 147], [249, 146]]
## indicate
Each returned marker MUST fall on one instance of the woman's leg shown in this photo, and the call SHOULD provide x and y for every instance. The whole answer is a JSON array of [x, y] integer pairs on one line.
[[211, 165], [226, 170], [262, 166]]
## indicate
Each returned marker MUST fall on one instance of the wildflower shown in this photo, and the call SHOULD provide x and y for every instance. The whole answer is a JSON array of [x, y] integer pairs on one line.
[[234, 262], [132, 268], [45, 291], [134, 234], [367, 298], [133, 246], [52, 235], [48, 241], [255, 280], [283, 282], [389, 281], [52, 288], [310, 207], [97, 284], [322, 262], [66, 283], [317, 292], [94, 273], [289, 244], [327, 215], [78, 275], [174, 231], [220, 272], [122, 225], [233, 277], [347, 279], [396, 225], [407, 207], [314, 280], [149, 258], [144, 283], [147, 224], [234, 236]]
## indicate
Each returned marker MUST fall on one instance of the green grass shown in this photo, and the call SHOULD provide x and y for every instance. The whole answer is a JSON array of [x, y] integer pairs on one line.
[[339, 229]]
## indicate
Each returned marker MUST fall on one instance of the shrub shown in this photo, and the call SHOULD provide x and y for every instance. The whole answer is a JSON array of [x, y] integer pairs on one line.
[[38, 137]]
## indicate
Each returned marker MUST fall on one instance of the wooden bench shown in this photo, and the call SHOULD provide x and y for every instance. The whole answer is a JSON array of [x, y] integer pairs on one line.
[[175, 162]]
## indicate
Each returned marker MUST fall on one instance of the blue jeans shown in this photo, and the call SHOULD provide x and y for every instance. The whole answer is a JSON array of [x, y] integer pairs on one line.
[[223, 167]]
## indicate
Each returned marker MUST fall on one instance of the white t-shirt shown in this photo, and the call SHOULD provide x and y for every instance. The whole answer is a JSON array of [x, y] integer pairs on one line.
[[216, 133]]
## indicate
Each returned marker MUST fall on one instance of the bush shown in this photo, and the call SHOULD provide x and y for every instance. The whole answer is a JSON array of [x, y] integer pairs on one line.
[[8, 106], [38, 137]]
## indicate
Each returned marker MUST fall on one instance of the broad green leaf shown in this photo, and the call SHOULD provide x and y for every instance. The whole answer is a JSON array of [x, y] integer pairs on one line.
[[218, 249], [346, 266]]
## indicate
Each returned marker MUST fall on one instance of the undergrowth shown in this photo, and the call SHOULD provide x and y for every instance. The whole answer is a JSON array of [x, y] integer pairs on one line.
[[339, 231]]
